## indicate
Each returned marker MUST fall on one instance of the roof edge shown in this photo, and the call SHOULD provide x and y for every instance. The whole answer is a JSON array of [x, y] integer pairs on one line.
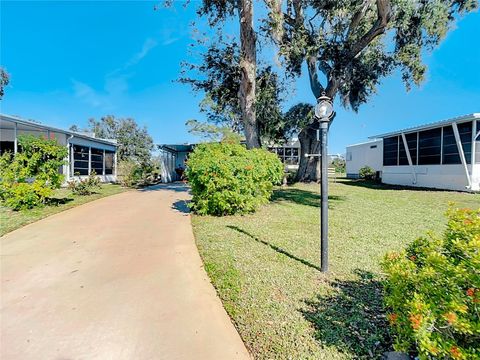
[[55, 129], [462, 118]]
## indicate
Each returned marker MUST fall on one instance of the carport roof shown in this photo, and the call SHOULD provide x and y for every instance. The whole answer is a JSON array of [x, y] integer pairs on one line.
[[177, 147]]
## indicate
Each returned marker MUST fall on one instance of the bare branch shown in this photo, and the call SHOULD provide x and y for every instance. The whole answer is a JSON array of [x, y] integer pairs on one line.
[[378, 28]]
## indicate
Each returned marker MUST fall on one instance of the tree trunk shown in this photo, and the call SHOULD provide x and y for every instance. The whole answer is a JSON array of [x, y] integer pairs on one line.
[[309, 167], [248, 64]]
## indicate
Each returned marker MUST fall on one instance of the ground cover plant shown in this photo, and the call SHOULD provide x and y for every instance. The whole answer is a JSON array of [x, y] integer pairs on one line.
[[85, 186], [61, 199], [226, 178], [433, 291], [265, 266]]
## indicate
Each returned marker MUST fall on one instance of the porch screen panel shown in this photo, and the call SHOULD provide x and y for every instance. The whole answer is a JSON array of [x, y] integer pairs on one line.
[[109, 162], [429, 147], [477, 145], [402, 154], [97, 161], [450, 149], [390, 151], [412, 146], [465, 132], [80, 160]]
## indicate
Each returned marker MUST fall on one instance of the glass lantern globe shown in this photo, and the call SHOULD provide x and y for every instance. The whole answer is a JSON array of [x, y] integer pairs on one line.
[[324, 109]]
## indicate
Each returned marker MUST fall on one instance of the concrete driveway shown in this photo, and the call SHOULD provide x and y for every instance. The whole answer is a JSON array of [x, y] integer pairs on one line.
[[117, 278]]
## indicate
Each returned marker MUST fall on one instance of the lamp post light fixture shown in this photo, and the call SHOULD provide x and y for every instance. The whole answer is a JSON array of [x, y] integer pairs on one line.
[[324, 114]]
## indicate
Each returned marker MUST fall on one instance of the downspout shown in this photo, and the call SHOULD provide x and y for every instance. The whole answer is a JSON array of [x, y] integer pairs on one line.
[[462, 154], [407, 151], [70, 158], [15, 134]]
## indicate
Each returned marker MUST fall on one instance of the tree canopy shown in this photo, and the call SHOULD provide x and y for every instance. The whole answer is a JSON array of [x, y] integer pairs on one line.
[[218, 76], [4, 81], [354, 44], [134, 142]]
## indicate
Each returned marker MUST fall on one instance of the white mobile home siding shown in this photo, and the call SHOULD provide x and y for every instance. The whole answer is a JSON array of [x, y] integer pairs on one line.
[[365, 154]]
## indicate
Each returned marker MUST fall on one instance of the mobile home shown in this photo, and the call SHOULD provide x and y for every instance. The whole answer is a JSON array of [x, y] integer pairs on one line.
[[86, 153], [442, 155]]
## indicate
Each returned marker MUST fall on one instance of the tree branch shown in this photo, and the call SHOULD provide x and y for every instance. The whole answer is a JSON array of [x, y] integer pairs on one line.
[[357, 17], [378, 28], [315, 85]]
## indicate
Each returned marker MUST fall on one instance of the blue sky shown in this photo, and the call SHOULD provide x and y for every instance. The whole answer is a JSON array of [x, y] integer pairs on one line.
[[70, 61]]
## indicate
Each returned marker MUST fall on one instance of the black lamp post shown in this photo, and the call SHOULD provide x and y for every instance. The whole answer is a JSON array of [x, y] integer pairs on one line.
[[324, 114]]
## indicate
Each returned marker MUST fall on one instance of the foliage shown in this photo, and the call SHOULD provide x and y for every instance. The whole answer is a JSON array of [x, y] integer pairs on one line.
[[433, 291], [348, 47], [367, 173], [226, 178], [87, 186], [128, 173], [219, 76], [30, 176], [134, 142], [267, 273], [355, 44], [212, 132], [133, 174], [4, 81], [339, 164]]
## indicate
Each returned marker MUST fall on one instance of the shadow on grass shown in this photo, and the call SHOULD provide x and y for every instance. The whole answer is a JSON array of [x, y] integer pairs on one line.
[[379, 186], [57, 201], [274, 247], [302, 197], [352, 319]]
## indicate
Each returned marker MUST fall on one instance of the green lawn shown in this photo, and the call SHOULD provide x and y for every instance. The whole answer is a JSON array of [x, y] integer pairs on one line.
[[62, 200], [265, 266]]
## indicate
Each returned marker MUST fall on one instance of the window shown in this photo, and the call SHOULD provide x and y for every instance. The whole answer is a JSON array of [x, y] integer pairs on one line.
[[287, 155], [80, 160], [390, 151], [373, 146], [7, 146], [429, 147], [97, 161], [109, 162]]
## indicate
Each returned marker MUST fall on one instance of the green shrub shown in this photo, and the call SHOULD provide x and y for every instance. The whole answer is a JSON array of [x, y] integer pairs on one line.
[[29, 177], [128, 173], [433, 291], [86, 186], [367, 173], [227, 178]]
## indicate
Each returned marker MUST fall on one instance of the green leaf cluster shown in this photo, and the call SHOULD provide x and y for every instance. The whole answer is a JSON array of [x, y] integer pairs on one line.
[[87, 186], [227, 179], [432, 291], [29, 177]]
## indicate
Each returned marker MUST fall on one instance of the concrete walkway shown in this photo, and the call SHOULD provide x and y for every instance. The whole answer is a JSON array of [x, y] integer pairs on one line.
[[117, 278]]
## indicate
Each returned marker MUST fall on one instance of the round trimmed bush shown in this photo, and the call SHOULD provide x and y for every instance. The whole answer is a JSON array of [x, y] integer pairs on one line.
[[228, 179]]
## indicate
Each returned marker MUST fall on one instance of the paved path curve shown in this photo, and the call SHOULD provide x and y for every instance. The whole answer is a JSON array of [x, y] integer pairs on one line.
[[117, 278]]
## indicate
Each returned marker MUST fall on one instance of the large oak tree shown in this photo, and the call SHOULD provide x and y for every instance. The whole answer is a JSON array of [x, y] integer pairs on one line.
[[349, 46]]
